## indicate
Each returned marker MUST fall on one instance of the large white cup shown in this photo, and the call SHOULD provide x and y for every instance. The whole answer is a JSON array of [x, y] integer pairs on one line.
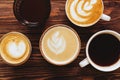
[[88, 60]]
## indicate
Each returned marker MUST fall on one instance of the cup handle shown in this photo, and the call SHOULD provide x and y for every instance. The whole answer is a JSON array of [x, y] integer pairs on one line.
[[105, 17], [84, 63]]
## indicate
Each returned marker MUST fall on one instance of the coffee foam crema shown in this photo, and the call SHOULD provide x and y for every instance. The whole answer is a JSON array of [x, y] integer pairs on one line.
[[84, 12], [15, 48]]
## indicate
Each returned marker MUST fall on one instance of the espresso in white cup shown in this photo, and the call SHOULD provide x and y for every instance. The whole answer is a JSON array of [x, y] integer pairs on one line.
[[103, 51], [85, 13]]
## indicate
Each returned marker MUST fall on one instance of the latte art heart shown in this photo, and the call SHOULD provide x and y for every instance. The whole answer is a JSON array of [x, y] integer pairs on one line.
[[57, 43], [83, 12], [16, 50]]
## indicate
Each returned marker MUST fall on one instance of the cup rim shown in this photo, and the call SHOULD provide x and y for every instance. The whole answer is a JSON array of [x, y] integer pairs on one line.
[[112, 67], [89, 25], [56, 62], [23, 61]]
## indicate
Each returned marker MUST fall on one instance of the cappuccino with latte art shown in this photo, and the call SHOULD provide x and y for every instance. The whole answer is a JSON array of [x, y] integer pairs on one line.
[[85, 12], [15, 48], [60, 44]]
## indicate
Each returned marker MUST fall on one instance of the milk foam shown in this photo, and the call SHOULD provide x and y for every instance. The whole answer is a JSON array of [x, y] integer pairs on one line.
[[16, 50], [81, 8], [57, 43]]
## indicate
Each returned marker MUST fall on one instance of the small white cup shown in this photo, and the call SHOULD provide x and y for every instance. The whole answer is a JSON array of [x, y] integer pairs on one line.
[[88, 60]]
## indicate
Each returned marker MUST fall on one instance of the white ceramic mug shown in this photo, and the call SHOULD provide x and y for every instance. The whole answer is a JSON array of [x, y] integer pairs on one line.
[[102, 16], [88, 60]]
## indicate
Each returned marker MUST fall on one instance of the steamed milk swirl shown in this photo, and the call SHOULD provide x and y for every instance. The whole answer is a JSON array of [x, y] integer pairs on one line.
[[84, 12]]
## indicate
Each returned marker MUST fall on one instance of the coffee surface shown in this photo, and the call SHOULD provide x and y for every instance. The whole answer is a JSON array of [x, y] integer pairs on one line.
[[60, 44], [34, 10], [14, 48], [84, 12], [104, 49]]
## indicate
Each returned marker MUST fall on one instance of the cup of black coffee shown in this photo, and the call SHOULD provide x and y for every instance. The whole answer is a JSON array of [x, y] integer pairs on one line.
[[103, 51], [32, 12]]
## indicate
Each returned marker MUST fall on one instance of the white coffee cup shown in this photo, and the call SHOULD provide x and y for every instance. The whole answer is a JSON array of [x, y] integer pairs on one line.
[[88, 60], [102, 16]]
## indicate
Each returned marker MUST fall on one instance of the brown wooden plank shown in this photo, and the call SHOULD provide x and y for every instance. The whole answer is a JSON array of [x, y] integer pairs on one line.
[[36, 68]]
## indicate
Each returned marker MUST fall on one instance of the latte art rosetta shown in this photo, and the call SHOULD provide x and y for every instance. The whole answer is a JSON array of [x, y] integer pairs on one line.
[[57, 43], [84, 11]]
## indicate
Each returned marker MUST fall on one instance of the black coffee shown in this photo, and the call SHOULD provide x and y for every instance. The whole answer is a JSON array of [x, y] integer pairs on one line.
[[32, 11], [104, 50]]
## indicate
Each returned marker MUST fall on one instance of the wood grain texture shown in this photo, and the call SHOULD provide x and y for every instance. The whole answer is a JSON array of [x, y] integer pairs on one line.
[[36, 68]]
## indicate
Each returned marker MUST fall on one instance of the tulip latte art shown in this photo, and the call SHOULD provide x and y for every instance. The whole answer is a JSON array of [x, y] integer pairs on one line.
[[57, 44], [60, 44], [15, 48], [84, 12]]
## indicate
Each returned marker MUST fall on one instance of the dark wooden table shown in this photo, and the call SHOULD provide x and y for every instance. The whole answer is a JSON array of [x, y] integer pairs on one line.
[[36, 68]]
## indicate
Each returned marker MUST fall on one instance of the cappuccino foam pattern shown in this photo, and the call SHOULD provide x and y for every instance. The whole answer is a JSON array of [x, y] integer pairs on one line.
[[57, 44], [16, 49], [84, 12]]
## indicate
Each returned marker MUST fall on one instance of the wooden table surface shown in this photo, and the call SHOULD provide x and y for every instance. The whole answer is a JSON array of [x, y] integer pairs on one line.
[[37, 68]]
